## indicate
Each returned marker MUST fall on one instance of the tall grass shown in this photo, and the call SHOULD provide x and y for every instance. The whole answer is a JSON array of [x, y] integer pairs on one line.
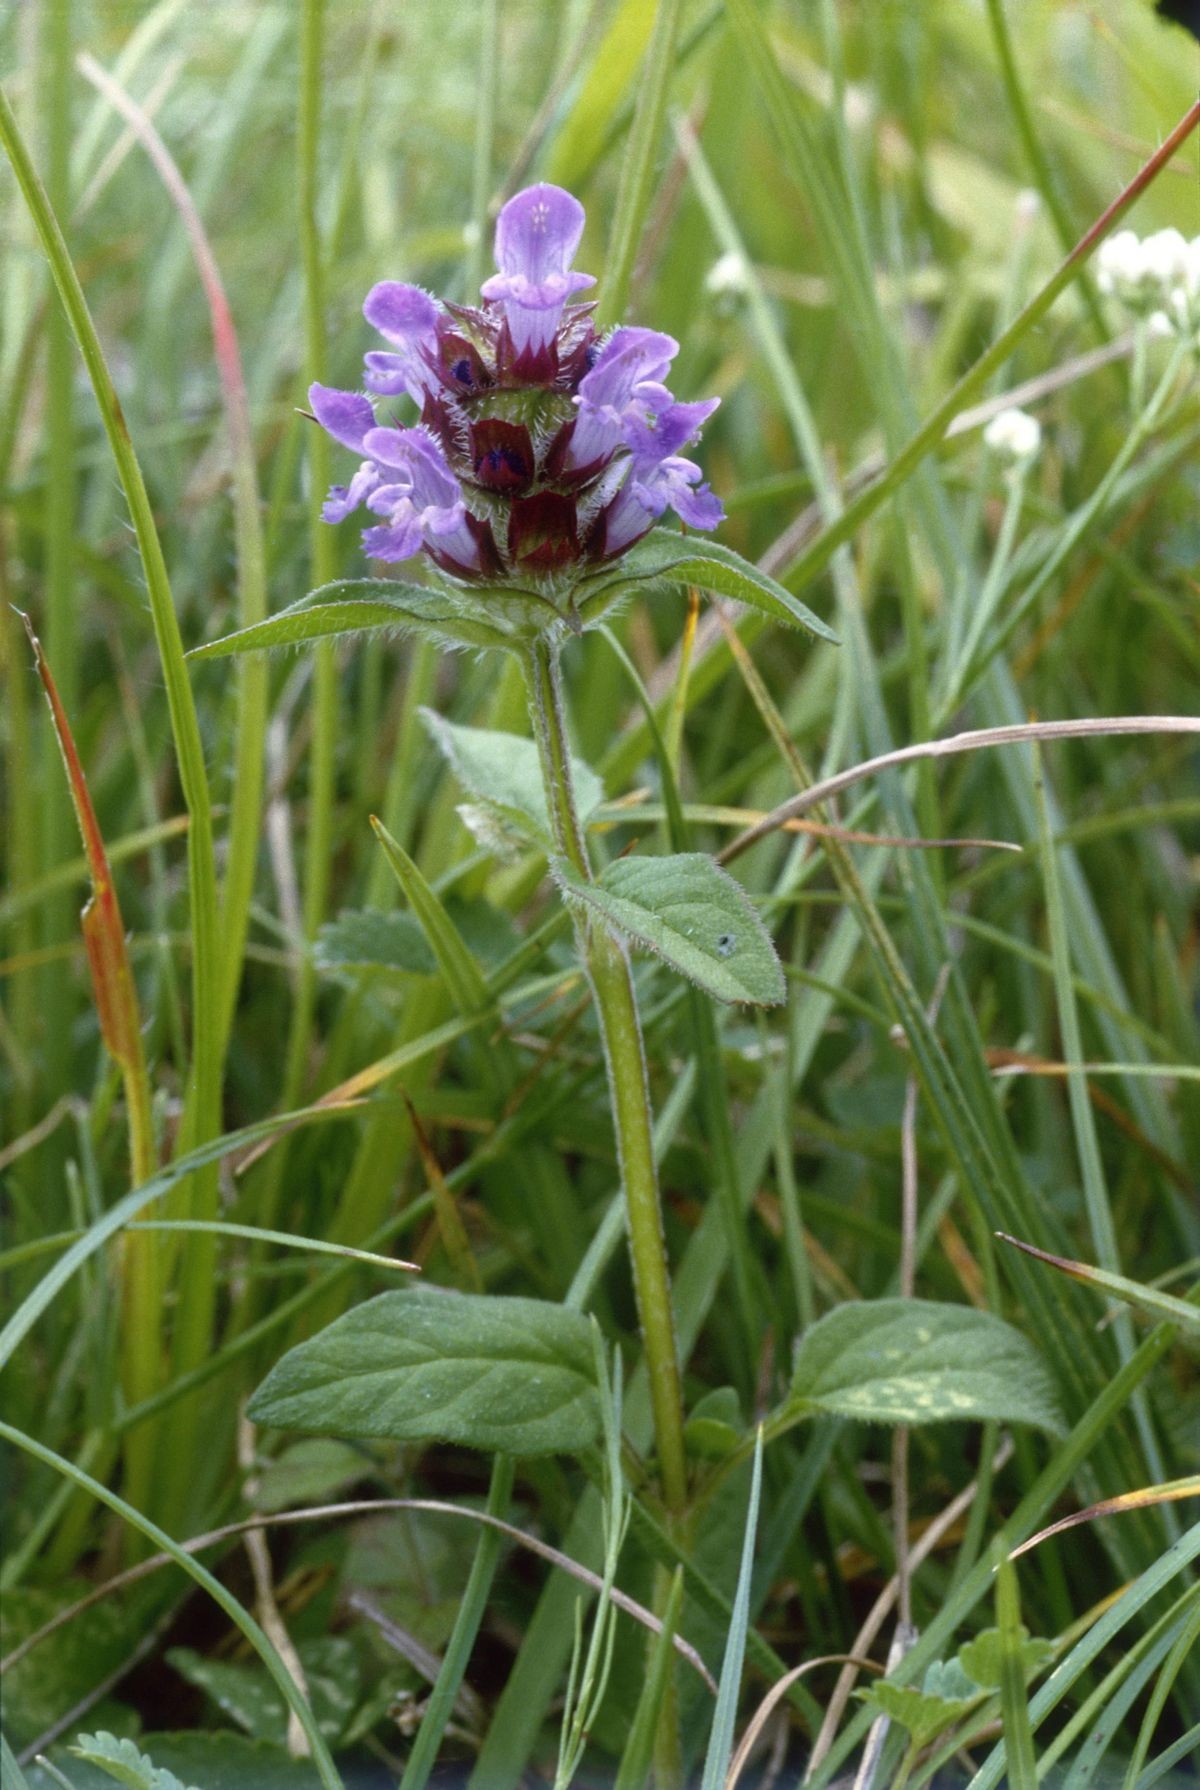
[[860, 223]]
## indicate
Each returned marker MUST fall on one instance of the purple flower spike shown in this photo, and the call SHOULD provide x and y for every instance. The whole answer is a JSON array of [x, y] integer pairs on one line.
[[537, 234], [540, 450]]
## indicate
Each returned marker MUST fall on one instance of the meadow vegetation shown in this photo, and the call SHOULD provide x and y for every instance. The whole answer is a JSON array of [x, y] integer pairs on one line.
[[414, 995]]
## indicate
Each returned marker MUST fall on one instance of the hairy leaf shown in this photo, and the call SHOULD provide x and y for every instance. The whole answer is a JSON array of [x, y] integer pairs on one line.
[[666, 557], [362, 606], [913, 1361], [362, 938], [515, 1376], [504, 770], [690, 912]]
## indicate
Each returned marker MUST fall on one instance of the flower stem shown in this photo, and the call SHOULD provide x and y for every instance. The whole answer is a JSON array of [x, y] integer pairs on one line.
[[609, 973]]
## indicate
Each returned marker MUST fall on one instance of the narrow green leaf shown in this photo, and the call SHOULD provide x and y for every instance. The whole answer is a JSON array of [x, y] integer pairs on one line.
[[666, 557], [464, 978], [504, 770], [440, 1707], [1014, 1707], [634, 1770], [720, 1740], [511, 1376], [1162, 1307], [692, 914], [913, 1361], [11, 1775], [362, 606]]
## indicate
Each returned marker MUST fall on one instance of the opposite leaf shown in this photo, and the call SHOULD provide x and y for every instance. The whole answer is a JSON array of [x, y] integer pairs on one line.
[[513, 1376], [687, 559], [690, 912], [363, 606], [504, 770], [913, 1361]]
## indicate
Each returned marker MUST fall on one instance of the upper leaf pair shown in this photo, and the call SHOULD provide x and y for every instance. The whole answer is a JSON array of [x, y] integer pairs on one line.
[[505, 614]]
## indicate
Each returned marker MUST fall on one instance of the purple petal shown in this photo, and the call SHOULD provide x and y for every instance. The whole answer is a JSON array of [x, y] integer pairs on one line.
[[409, 319], [678, 484], [344, 415], [622, 394], [538, 232], [388, 374], [627, 358], [404, 314], [656, 436], [389, 446], [345, 498], [399, 541]]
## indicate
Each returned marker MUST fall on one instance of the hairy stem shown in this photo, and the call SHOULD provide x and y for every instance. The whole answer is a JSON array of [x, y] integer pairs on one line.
[[612, 986]]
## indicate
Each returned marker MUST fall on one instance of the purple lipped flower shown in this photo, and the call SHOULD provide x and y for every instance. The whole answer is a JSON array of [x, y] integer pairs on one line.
[[541, 449], [623, 389], [423, 506], [537, 234], [408, 318]]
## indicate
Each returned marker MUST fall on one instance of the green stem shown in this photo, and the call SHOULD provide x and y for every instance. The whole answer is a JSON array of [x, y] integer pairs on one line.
[[611, 980], [1036, 156]]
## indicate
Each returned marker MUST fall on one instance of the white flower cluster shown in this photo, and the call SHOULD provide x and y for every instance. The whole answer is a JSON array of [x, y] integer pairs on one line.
[[1014, 435], [1155, 276], [728, 275]]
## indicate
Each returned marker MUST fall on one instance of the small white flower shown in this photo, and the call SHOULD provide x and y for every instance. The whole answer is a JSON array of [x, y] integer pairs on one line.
[[728, 274], [1164, 259], [1119, 263], [1152, 274], [1014, 435]]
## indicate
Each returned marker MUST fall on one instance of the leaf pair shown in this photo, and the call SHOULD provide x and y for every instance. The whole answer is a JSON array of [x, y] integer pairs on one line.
[[682, 907], [504, 616], [517, 1376]]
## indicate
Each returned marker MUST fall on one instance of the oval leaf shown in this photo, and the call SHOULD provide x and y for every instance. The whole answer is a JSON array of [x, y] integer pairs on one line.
[[690, 912], [689, 559], [504, 770], [913, 1361], [511, 1376], [362, 606]]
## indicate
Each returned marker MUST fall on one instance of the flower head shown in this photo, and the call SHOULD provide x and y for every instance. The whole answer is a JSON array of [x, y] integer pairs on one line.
[[1156, 276], [1014, 435], [541, 448]]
